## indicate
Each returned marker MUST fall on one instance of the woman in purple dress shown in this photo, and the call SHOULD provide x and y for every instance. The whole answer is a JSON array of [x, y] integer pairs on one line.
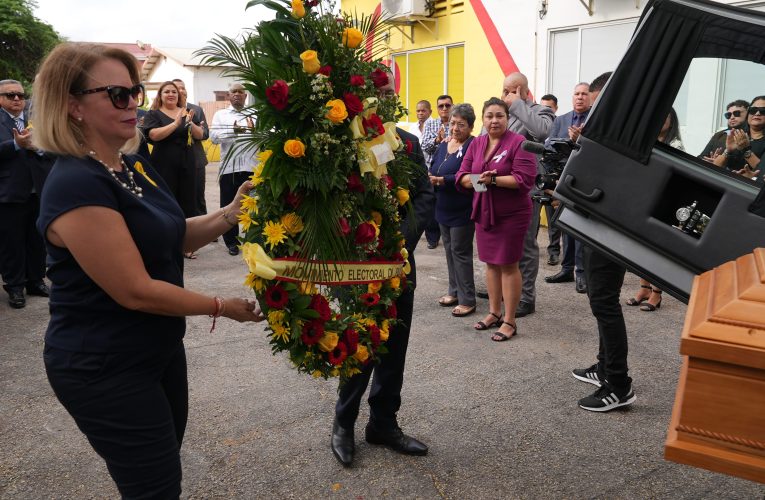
[[501, 174]]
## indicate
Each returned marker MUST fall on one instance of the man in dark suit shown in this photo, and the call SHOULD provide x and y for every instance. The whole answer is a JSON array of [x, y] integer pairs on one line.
[[385, 394], [22, 172], [200, 156]]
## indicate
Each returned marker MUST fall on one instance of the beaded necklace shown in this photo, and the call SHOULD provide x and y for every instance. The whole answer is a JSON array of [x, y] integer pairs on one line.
[[130, 185]]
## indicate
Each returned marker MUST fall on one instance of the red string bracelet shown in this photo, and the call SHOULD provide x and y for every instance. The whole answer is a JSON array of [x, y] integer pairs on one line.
[[220, 307]]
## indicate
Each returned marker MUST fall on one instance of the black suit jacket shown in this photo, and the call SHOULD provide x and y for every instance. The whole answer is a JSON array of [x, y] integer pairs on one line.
[[423, 200], [20, 170], [200, 158]]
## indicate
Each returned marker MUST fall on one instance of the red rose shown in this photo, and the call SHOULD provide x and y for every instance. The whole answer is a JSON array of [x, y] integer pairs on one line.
[[380, 242], [388, 181], [379, 78], [278, 94], [354, 183], [358, 81], [313, 331], [352, 104], [293, 199], [365, 233], [374, 335], [409, 147], [276, 297], [391, 312], [370, 299], [325, 70], [321, 306], [312, 3], [351, 339], [373, 125], [345, 228], [338, 354]]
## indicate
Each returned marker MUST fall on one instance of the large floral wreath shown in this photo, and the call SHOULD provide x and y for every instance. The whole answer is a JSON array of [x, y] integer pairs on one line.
[[321, 228]]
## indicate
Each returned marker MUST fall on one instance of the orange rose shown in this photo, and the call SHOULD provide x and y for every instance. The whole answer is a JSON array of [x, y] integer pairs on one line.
[[298, 10], [336, 111], [294, 148], [352, 37], [311, 63]]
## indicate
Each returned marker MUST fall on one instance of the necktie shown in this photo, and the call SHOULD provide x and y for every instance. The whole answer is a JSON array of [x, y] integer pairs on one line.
[[19, 124]]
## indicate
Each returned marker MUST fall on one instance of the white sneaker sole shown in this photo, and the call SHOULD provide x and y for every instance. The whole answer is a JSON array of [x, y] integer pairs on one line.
[[585, 379], [611, 406]]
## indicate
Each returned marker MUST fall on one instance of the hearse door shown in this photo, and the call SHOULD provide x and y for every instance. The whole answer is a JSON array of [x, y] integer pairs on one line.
[[663, 210]]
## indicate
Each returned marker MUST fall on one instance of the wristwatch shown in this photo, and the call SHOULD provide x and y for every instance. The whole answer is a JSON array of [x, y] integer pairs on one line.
[[493, 180], [747, 154]]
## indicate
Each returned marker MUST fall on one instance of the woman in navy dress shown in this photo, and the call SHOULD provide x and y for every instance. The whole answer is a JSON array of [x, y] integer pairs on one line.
[[503, 174], [453, 211], [115, 235]]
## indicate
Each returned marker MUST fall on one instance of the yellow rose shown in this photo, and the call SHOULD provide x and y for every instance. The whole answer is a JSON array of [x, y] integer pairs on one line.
[[311, 62], [352, 37], [292, 223], [296, 149], [298, 11], [377, 217], [336, 112], [357, 128], [384, 330], [328, 342], [361, 353], [374, 287], [395, 282], [401, 194]]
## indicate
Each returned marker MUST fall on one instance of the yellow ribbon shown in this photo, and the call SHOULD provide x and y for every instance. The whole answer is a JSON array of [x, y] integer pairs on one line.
[[139, 168]]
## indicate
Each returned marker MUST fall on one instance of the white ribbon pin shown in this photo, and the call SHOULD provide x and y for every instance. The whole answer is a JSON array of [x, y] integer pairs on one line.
[[499, 157]]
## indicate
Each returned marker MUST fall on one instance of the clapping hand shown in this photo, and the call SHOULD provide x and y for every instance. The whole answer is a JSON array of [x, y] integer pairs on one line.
[[23, 139], [713, 155], [486, 176], [574, 132]]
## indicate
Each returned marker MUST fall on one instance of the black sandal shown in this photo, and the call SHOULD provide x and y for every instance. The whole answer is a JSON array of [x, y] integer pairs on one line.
[[633, 302], [650, 307], [502, 336], [483, 326]]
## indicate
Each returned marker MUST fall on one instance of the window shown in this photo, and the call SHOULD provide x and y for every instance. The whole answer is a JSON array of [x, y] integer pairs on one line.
[[426, 74], [443, 8]]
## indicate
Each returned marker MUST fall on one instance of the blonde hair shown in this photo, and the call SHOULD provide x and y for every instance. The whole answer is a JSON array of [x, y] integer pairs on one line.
[[66, 70]]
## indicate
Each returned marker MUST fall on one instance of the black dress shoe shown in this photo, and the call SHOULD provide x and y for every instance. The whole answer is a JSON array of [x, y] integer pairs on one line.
[[482, 294], [553, 260], [342, 444], [233, 250], [431, 246], [524, 309], [16, 299], [39, 289], [396, 440], [581, 284], [561, 277]]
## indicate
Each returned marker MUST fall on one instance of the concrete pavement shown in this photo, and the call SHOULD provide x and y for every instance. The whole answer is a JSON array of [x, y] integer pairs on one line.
[[501, 419]]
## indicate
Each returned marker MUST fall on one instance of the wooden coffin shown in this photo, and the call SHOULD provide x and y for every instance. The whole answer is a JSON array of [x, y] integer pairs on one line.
[[718, 420]]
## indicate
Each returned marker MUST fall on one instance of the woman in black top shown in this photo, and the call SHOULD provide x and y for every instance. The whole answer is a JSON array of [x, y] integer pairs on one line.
[[171, 129], [114, 233], [744, 152]]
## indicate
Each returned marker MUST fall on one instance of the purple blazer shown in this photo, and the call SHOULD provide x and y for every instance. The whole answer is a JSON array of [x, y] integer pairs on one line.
[[507, 158]]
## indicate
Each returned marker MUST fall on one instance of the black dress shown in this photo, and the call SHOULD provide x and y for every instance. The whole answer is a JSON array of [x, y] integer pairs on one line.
[[173, 158]]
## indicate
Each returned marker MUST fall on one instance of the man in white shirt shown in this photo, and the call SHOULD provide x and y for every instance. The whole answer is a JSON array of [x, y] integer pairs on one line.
[[423, 111], [236, 164]]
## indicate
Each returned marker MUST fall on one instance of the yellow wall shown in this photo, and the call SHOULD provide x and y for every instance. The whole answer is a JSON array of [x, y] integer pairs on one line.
[[482, 76]]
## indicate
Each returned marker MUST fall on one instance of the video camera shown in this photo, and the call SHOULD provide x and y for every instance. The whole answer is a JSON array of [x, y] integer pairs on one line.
[[553, 158]]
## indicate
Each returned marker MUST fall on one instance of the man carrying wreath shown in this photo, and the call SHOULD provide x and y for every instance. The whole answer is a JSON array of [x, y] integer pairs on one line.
[[385, 394]]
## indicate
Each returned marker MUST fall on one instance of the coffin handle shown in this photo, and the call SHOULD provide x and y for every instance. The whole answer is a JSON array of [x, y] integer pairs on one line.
[[594, 196]]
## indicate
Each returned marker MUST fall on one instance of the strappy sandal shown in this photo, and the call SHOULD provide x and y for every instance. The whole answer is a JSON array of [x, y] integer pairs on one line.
[[447, 301], [650, 307], [461, 311], [190, 255], [634, 302], [483, 326], [501, 337]]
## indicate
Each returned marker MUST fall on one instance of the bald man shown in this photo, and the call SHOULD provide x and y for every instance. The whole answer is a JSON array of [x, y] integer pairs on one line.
[[534, 122]]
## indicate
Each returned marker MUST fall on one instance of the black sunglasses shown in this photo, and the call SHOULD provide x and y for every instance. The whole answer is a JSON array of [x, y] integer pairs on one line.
[[735, 113], [13, 95], [444, 106], [754, 110], [120, 96]]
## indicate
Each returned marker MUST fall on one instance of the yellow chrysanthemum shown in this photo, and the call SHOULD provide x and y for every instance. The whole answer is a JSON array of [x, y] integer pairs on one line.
[[249, 204], [368, 322], [280, 332], [353, 371], [292, 223], [316, 374], [374, 287], [257, 175], [307, 288], [252, 281], [263, 156], [275, 316], [395, 282], [246, 221], [274, 233], [334, 372], [384, 330]]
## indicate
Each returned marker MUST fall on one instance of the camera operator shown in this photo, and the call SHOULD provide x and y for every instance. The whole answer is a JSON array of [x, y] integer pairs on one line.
[[569, 126]]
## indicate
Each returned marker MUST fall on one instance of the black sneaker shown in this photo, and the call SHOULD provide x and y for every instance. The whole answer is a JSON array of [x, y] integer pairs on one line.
[[606, 399], [589, 375]]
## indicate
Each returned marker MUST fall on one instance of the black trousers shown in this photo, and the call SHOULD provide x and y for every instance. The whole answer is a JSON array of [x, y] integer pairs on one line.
[[229, 184], [385, 394], [22, 251], [433, 232], [553, 248], [604, 283], [132, 407], [200, 201]]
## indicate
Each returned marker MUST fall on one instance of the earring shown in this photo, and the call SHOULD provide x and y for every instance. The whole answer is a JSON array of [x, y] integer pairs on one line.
[[79, 118]]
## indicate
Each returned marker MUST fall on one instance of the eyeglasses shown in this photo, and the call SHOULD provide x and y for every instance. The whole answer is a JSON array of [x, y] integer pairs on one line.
[[444, 106], [754, 110], [120, 96], [736, 113], [14, 95], [458, 125]]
